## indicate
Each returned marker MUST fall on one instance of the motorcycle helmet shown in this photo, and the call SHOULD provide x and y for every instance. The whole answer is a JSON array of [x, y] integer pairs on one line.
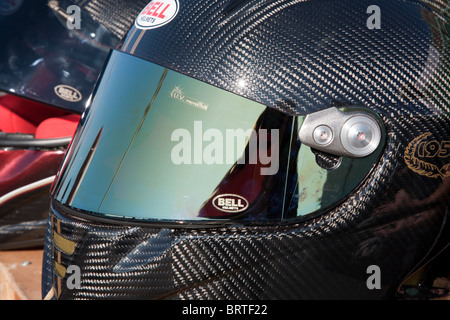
[[251, 149], [50, 60]]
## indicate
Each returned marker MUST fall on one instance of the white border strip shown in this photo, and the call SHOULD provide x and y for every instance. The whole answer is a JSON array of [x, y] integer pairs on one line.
[[26, 188]]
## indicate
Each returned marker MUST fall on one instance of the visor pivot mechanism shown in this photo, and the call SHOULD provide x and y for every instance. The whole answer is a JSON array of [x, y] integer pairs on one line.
[[360, 135], [352, 134]]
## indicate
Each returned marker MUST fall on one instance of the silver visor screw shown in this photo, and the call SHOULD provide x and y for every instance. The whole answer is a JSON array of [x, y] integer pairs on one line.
[[360, 135], [323, 135]]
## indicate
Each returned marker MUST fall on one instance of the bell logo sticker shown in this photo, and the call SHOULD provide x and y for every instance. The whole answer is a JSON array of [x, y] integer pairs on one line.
[[157, 13], [68, 93], [230, 203]]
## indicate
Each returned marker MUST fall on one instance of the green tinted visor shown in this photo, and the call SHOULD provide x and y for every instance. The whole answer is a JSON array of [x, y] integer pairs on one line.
[[157, 145]]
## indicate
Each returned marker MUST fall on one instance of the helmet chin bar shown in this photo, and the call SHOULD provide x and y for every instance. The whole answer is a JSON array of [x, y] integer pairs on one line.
[[353, 134]]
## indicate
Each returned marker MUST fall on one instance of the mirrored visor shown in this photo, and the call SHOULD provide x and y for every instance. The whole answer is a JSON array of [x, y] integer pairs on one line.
[[158, 145]]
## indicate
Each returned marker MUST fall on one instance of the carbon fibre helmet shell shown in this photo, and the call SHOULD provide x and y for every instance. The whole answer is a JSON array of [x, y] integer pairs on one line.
[[280, 49], [303, 52]]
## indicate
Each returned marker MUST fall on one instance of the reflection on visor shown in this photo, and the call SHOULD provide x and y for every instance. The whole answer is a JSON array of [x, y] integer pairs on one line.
[[158, 145]]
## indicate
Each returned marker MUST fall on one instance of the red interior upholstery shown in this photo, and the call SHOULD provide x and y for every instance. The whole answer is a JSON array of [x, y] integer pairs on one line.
[[19, 115], [57, 127]]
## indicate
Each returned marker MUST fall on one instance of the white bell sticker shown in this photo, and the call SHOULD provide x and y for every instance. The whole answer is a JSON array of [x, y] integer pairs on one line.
[[157, 13]]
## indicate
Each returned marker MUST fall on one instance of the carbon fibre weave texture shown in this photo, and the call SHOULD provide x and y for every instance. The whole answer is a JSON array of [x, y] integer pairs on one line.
[[309, 53], [312, 54]]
